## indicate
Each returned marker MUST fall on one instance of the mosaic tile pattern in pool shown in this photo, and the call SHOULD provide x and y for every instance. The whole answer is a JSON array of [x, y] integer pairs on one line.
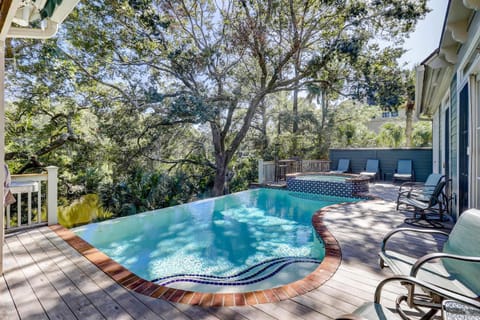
[[253, 274], [352, 186]]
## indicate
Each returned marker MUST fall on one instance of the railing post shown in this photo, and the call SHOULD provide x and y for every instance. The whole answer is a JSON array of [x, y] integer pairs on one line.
[[261, 172], [52, 190]]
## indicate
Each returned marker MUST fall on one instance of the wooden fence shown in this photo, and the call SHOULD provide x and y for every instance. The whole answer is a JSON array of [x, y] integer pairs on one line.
[[276, 171]]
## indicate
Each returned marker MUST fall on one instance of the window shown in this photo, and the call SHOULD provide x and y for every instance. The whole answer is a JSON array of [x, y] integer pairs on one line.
[[389, 114]]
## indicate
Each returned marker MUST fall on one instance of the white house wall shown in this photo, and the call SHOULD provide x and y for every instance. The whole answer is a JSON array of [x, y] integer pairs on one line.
[[475, 140], [436, 141], [444, 110]]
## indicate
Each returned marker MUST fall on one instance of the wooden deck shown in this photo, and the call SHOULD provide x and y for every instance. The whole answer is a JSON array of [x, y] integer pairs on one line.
[[45, 278]]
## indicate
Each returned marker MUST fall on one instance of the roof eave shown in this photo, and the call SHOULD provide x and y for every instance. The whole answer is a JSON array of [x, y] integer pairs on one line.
[[9, 8]]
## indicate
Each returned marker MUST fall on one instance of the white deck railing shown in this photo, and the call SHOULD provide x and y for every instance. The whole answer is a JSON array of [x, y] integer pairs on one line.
[[29, 187], [274, 171]]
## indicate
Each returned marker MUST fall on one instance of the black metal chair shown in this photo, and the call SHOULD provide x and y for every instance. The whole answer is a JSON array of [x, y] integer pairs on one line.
[[429, 209], [376, 311], [419, 190]]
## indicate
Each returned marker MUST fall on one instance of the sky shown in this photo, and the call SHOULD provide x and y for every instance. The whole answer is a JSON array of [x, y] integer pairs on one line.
[[426, 37]]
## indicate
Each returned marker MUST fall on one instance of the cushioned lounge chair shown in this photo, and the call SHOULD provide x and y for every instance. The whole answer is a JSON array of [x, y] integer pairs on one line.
[[404, 171], [374, 310], [418, 190], [372, 169], [455, 270], [343, 166]]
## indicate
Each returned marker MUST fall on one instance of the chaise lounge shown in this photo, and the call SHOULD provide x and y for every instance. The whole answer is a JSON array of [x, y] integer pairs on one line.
[[342, 167], [404, 171], [372, 169]]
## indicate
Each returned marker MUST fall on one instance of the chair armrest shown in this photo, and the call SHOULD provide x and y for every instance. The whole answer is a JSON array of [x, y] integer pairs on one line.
[[410, 184], [439, 255], [428, 286], [400, 230]]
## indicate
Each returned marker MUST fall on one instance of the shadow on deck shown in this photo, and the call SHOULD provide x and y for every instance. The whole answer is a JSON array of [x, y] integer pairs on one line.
[[46, 278]]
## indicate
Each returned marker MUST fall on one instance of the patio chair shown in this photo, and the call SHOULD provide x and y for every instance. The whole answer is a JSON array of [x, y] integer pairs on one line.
[[418, 190], [343, 166], [404, 171], [454, 271], [374, 310], [372, 169], [428, 212]]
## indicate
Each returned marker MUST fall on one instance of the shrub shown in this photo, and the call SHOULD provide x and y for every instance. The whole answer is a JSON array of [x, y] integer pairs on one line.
[[82, 211]]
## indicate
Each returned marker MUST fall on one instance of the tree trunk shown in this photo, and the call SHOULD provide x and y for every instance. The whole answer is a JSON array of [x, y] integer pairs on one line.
[[295, 107], [224, 154], [263, 130], [220, 175], [409, 108], [324, 136], [221, 162], [295, 111]]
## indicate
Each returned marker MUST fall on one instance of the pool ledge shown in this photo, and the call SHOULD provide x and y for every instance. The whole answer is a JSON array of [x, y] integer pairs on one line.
[[131, 281]]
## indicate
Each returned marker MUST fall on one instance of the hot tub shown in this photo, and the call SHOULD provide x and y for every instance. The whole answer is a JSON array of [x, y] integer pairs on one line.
[[343, 185]]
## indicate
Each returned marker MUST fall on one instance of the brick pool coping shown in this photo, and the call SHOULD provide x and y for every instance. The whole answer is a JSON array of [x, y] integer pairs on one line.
[[131, 281]]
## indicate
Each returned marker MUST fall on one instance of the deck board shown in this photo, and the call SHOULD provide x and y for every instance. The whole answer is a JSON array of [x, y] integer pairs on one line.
[[111, 299], [26, 302], [69, 281], [51, 301], [7, 307], [78, 303], [45, 278]]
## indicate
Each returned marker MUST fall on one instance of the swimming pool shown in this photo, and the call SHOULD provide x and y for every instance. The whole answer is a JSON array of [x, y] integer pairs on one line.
[[247, 241]]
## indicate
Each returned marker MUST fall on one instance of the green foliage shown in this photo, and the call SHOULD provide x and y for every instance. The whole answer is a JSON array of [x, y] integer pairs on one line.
[[391, 135], [422, 134], [82, 211], [148, 190], [245, 171], [147, 102], [351, 119]]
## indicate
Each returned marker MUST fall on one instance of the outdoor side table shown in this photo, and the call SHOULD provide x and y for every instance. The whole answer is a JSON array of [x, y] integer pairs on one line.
[[455, 310]]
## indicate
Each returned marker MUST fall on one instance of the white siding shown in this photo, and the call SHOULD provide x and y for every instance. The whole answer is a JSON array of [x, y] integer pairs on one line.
[[436, 141]]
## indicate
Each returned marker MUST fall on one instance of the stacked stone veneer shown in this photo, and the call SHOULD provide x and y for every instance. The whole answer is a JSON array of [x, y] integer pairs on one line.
[[352, 187]]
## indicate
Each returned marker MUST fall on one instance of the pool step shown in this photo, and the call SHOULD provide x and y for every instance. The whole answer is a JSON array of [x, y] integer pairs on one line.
[[257, 273]]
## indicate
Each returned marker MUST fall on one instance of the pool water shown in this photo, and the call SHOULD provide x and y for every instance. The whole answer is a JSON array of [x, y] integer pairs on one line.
[[246, 241], [328, 178]]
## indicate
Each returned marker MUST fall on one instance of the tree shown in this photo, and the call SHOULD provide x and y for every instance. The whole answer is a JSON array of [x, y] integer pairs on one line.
[[179, 72], [391, 135], [409, 85], [422, 134]]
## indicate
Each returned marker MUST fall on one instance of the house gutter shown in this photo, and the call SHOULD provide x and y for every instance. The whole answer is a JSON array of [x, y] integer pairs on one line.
[[27, 33], [420, 108]]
